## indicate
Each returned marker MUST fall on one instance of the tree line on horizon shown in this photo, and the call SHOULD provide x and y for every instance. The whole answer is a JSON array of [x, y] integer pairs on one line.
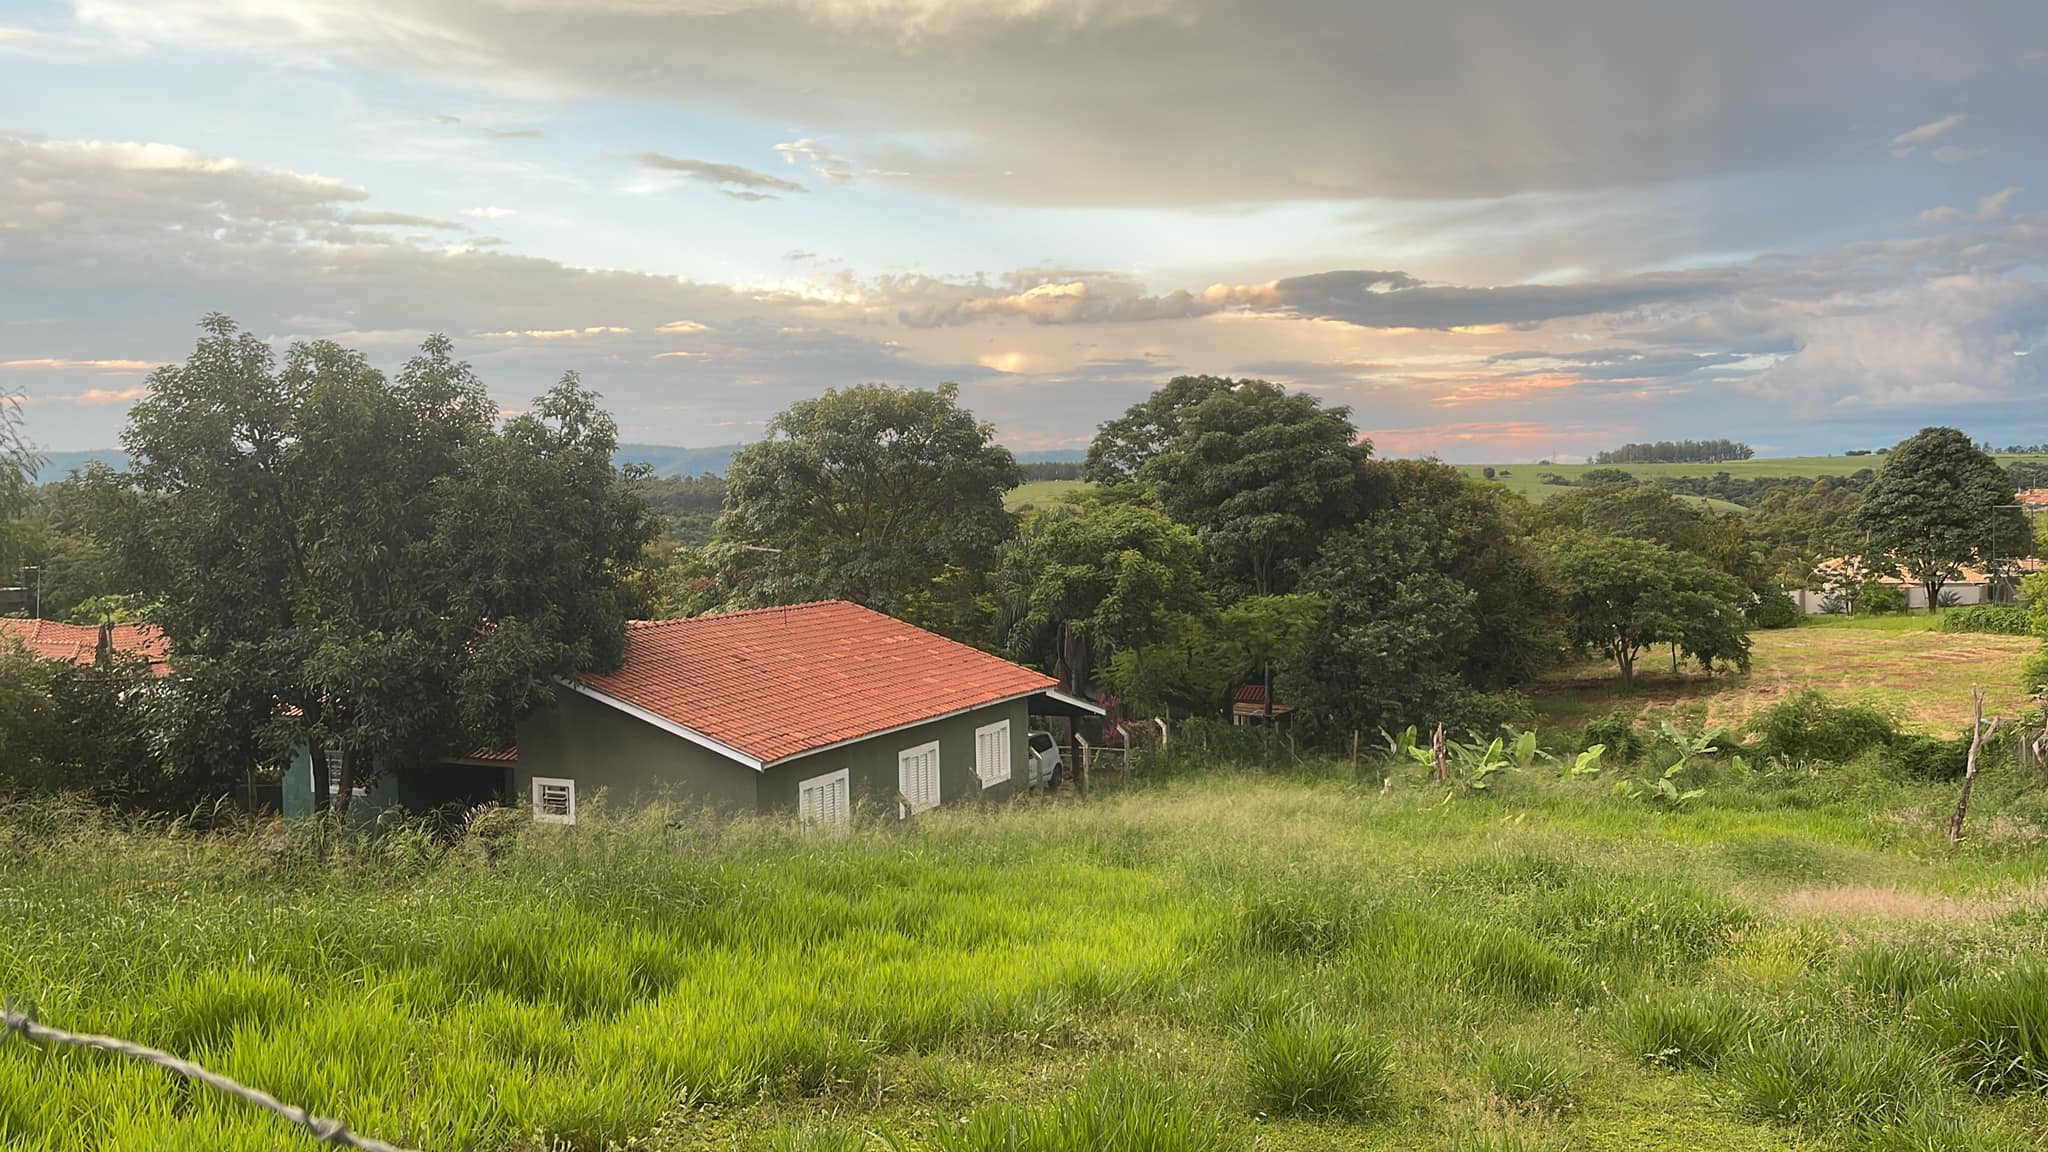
[[1677, 452]]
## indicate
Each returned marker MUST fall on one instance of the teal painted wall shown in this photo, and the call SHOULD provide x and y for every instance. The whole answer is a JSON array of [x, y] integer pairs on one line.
[[414, 790], [629, 760], [381, 795]]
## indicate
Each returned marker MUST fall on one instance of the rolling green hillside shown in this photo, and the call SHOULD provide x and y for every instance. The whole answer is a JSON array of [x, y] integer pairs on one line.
[[1526, 478]]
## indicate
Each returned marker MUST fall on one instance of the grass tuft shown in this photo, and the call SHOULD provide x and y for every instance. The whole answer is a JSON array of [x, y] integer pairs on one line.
[[1531, 1077], [1128, 1108], [1994, 1029], [1802, 1078], [1305, 1066], [1681, 1029]]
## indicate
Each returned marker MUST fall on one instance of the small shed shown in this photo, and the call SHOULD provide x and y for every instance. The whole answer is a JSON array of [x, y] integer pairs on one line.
[[1248, 706]]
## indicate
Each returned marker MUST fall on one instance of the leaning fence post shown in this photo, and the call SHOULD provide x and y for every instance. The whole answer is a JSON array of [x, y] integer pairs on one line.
[[1087, 754]]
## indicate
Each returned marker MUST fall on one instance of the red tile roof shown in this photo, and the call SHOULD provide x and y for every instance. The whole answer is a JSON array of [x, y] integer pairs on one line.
[[775, 682], [77, 643]]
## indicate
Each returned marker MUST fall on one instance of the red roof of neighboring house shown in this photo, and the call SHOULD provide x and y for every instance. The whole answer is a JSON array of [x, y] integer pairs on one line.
[[776, 682], [2033, 499], [78, 643]]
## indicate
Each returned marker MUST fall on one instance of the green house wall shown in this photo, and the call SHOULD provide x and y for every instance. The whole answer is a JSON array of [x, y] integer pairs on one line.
[[871, 763], [633, 762]]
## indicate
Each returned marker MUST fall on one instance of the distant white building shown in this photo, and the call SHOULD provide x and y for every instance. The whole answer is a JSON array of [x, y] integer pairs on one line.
[[1971, 586]]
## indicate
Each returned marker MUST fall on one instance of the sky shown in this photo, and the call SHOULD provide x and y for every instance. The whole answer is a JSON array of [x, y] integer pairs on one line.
[[1496, 230]]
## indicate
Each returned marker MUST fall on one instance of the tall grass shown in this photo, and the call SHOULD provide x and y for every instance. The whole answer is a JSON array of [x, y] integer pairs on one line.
[[1182, 967]]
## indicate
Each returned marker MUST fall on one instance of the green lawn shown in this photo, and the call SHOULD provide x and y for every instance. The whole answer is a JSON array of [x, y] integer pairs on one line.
[[1903, 664], [1039, 493], [1223, 961], [1524, 478]]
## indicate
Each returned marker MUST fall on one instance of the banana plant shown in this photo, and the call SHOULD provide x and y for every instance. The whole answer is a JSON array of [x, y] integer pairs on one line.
[[1587, 763]]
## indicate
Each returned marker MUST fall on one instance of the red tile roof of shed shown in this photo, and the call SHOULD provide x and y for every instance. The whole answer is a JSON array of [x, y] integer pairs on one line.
[[772, 683], [79, 643]]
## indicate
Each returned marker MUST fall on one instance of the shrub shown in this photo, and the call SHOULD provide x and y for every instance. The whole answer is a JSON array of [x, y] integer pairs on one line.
[[1530, 1076], [2034, 673], [1304, 1066], [1681, 1029], [1774, 608], [1877, 598], [1617, 730], [1809, 726], [1928, 757], [1593, 476], [1994, 1029], [1553, 478], [1995, 619]]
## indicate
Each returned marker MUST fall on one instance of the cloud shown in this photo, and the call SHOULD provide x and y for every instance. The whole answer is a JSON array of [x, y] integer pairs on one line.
[[1954, 154], [513, 133], [401, 220], [445, 118], [51, 364], [1993, 207], [682, 328], [1368, 299], [1905, 142], [737, 182], [1095, 101], [107, 397], [560, 333], [489, 213]]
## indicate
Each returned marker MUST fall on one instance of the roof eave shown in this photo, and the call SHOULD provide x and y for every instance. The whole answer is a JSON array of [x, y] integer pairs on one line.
[[666, 724]]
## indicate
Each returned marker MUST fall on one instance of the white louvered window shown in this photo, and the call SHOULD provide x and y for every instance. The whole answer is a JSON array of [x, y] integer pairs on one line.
[[917, 778], [822, 801], [554, 800], [992, 753]]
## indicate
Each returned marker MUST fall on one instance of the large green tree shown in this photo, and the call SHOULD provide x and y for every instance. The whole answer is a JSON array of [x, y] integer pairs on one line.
[[1654, 514], [1623, 595], [1261, 474], [1938, 505], [365, 563], [1100, 577], [864, 494], [1123, 445]]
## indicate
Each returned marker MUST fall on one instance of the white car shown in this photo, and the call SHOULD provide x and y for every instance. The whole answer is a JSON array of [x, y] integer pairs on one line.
[[1043, 759]]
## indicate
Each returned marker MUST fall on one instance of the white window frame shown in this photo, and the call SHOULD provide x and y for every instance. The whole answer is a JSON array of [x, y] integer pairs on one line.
[[1001, 773], [540, 814], [333, 756], [907, 806], [835, 821]]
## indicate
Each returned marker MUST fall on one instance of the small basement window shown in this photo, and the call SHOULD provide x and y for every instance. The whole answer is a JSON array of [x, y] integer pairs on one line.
[[554, 800], [992, 753], [822, 801]]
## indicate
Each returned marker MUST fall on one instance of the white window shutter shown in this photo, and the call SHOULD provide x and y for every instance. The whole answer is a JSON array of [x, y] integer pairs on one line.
[[822, 801], [992, 753], [917, 778]]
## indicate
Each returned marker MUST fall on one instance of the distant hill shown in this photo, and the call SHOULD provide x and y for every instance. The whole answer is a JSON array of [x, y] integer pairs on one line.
[[58, 465]]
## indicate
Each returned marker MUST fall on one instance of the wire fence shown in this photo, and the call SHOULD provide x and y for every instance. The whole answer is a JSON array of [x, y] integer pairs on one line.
[[22, 1022]]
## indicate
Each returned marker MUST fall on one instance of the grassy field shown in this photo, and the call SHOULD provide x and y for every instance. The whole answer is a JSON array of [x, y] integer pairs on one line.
[[1224, 961], [1899, 663], [1524, 478], [1039, 493]]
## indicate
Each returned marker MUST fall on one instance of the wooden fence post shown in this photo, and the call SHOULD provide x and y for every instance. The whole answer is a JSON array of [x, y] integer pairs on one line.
[[1087, 754], [1978, 736]]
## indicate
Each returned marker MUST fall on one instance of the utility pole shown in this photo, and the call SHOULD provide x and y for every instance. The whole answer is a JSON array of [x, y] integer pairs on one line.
[[36, 592]]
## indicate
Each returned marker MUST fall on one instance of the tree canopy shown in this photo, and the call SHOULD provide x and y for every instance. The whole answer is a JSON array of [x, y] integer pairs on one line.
[[367, 563], [1938, 505], [1622, 595], [1101, 577], [1260, 474], [864, 494]]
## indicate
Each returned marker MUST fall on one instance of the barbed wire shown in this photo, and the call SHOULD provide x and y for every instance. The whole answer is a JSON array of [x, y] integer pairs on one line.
[[22, 1022]]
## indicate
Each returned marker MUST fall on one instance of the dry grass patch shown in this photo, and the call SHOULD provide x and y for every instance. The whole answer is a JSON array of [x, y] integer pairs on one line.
[[1924, 677]]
